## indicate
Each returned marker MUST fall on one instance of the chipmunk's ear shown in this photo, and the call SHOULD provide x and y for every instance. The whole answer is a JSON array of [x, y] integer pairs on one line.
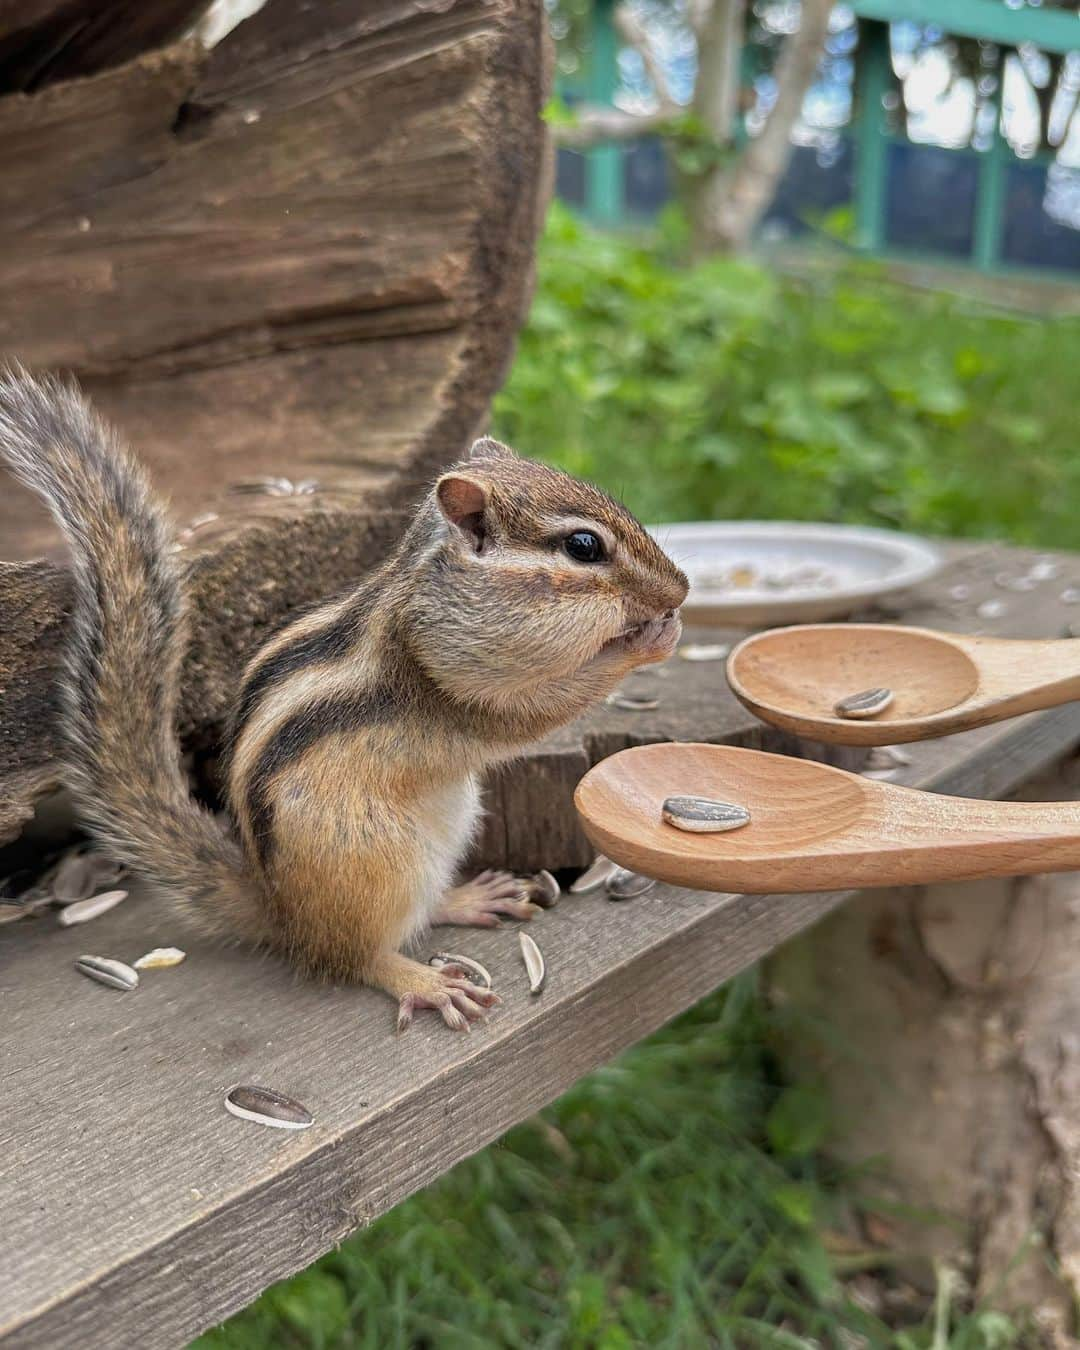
[[487, 448], [463, 501]]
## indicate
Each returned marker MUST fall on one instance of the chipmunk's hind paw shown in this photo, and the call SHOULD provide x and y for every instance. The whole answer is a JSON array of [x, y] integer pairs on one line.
[[480, 902], [457, 1000]]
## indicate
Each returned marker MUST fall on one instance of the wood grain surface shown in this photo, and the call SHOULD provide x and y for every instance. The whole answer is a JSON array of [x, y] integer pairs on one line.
[[138, 1212]]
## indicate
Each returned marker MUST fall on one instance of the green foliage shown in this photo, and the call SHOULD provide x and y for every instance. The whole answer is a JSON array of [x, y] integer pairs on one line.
[[670, 1201], [724, 391]]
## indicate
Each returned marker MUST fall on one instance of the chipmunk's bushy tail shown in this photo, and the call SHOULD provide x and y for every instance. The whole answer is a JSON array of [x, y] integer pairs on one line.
[[128, 635]]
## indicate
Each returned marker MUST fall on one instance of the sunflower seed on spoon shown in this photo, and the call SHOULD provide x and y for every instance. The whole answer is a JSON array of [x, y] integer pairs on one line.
[[534, 963], [441, 959], [116, 974], [81, 911], [626, 885], [700, 815], [594, 876], [160, 958], [866, 703], [266, 1107], [632, 702]]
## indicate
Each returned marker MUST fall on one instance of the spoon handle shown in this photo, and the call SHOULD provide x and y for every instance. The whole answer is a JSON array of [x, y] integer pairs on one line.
[[1047, 671]]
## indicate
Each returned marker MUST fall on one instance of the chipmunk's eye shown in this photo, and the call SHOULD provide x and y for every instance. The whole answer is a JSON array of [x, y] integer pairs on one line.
[[584, 546]]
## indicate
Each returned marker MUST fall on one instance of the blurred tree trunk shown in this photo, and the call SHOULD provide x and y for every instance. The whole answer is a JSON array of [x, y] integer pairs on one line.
[[943, 1023], [728, 194], [733, 196]]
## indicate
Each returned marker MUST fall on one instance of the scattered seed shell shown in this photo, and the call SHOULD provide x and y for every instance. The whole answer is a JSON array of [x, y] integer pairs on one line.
[[626, 885], [160, 958], [116, 974], [266, 1107], [441, 959], [632, 702], [546, 890], [268, 486], [705, 651], [534, 963], [866, 703], [700, 815], [594, 876], [887, 757], [81, 911], [992, 609], [73, 878]]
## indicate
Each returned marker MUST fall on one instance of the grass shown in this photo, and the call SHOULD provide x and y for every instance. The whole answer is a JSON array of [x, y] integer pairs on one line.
[[678, 1197], [673, 1199]]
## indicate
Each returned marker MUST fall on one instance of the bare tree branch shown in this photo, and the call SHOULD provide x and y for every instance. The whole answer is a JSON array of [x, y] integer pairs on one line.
[[632, 32], [750, 186], [597, 125]]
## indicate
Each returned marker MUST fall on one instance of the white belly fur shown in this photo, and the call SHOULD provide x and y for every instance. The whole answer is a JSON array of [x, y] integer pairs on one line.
[[451, 815]]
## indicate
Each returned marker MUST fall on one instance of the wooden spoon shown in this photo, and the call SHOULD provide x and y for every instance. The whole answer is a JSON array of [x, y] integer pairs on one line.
[[941, 682], [812, 827]]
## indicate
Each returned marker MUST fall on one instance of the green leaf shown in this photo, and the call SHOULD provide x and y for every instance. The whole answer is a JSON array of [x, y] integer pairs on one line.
[[798, 1121]]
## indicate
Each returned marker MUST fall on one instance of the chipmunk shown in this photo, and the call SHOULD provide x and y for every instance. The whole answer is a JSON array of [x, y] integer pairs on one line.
[[517, 597]]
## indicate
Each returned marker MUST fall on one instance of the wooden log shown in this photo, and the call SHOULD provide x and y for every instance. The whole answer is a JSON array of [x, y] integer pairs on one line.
[[45, 41], [302, 253]]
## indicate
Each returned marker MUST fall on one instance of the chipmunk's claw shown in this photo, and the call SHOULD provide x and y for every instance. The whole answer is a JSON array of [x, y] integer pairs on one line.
[[457, 1000], [480, 902]]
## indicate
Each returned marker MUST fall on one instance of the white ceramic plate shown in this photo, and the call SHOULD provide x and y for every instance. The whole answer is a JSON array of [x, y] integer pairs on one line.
[[749, 572]]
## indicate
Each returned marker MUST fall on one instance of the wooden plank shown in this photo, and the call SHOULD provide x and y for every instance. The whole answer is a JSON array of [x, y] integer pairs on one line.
[[138, 1212]]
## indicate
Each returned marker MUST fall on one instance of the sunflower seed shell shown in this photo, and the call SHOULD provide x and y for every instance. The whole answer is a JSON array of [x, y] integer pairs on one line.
[[103, 969], [700, 815], [534, 963], [264, 1106], [594, 876], [705, 651], [626, 885], [160, 958], [441, 959], [632, 702], [547, 889], [82, 911]]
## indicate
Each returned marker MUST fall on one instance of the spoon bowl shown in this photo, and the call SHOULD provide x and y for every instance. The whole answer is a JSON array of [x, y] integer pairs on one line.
[[941, 682], [812, 827]]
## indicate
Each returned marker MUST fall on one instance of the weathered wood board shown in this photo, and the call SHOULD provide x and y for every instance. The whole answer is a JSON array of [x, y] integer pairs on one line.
[[138, 1212], [304, 252]]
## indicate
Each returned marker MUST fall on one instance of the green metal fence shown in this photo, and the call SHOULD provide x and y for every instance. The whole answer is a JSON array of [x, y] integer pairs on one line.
[[1050, 30]]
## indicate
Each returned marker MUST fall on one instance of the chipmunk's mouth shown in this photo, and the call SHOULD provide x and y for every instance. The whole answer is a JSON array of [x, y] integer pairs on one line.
[[651, 640]]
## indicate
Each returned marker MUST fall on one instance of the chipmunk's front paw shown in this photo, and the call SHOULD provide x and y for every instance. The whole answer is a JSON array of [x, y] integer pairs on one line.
[[478, 903], [451, 994]]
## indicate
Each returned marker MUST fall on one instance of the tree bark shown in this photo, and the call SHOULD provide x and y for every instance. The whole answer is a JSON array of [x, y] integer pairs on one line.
[[942, 1023], [740, 195], [716, 105]]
